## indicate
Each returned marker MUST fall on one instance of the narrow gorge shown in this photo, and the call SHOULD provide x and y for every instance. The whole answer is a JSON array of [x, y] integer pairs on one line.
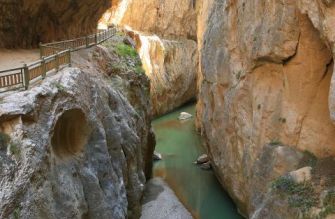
[[171, 109]]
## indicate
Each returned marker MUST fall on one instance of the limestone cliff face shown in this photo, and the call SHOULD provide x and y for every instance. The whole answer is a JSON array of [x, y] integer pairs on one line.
[[25, 23], [75, 146], [171, 66], [168, 19], [165, 34], [266, 79]]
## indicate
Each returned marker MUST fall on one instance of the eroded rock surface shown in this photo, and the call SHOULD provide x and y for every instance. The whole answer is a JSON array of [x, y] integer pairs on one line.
[[25, 23], [266, 78], [167, 19], [165, 34], [171, 66], [77, 144]]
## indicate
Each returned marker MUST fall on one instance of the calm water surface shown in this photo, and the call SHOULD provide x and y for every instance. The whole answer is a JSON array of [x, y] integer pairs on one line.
[[199, 190]]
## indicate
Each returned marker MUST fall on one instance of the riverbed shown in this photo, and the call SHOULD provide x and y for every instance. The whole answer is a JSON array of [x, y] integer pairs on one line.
[[197, 189]]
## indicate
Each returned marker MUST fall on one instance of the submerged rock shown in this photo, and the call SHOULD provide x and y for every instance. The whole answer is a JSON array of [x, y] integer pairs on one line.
[[160, 202], [157, 156], [184, 116], [206, 166], [202, 159]]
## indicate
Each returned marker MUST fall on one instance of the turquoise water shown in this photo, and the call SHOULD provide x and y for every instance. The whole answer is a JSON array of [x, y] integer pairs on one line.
[[199, 190]]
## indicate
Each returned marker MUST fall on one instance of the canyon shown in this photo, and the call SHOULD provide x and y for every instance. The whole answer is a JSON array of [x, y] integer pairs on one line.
[[261, 73]]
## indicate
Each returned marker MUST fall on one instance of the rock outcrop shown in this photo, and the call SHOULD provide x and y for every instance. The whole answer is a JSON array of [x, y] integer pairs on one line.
[[25, 23], [167, 19], [78, 145], [266, 79], [165, 34], [160, 202], [171, 66]]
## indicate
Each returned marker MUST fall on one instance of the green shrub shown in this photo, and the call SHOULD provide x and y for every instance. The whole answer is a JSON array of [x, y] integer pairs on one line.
[[58, 85], [125, 50], [309, 159], [16, 213], [300, 195], [139, 70], [15, 149], [328, 205], [275, 142], [4, 140]]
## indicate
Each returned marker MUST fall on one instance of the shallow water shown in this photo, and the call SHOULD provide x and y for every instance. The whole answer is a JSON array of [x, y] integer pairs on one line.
[[198, 189]]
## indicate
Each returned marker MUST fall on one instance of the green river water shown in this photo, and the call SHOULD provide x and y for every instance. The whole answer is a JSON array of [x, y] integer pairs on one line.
[[198, 189]]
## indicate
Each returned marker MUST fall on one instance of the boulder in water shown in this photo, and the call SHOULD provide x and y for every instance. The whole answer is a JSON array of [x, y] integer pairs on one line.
[[184, 116], [202, 159], [157, 156]]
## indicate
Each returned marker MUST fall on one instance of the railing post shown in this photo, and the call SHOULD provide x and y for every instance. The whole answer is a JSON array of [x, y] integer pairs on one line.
[[69, 57], [57, 62], [41, 49], [87, 42], [26, 76], [44, 68], [96, 38]]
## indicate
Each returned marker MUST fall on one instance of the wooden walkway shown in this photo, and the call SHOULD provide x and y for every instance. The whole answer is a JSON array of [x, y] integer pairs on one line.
[[10, 58], [52, 57]]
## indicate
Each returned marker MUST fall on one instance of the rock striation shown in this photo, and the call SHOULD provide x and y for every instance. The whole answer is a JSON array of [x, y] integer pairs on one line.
[[78, 145], [171, 66], [167, 19], [266, 87], [25, 23]]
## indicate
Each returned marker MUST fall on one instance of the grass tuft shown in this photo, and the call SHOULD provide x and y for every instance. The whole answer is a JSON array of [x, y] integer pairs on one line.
[[329, 205], [4, 140], [139, 70], [125, 50], [275, 142], [300, 195], [14, 149]]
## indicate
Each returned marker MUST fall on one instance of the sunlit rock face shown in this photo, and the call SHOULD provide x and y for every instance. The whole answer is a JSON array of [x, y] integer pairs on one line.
[[76, 145], [171, 67], [165, 35], [173, 18], [25, 23], [266, 78]]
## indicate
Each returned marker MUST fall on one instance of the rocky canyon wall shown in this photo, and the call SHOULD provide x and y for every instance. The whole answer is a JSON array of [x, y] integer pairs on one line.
[[165, 35], [267, 98], [25, 23], [78, 145]]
